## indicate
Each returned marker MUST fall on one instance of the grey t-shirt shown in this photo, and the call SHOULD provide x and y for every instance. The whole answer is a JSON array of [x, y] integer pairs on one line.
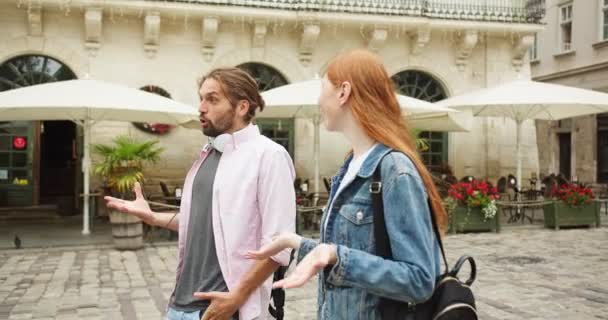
[[201, 271]]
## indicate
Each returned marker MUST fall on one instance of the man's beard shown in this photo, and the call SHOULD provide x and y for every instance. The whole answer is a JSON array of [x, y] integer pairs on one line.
[[221, 125]]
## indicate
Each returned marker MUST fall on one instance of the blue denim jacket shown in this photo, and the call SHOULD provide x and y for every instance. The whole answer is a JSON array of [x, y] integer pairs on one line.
[[351, 289]]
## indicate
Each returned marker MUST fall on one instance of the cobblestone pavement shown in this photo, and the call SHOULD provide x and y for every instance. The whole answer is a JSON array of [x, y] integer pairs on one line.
[[528, 273]]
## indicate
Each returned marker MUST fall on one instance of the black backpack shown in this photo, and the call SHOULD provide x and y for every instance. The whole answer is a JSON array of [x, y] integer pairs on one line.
[[451, 298]]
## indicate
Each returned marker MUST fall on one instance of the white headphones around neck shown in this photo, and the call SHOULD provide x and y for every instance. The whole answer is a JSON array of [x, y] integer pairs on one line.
[[218, 143]]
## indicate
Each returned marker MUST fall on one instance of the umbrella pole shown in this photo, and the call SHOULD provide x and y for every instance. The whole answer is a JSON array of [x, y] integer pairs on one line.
[[86, 163], [519, 161], [317, 153]]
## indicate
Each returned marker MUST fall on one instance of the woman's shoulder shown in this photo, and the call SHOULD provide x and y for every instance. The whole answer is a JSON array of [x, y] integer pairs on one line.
[[398, 163]]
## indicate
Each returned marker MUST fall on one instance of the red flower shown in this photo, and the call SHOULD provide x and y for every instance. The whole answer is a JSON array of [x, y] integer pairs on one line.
[[473, 194], [470, 191], [574, 194]]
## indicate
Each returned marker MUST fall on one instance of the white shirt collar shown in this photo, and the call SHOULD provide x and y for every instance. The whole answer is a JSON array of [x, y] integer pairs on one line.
[[219, 143]]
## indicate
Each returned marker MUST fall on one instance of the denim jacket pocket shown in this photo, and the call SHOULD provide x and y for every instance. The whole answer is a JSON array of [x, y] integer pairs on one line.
[[355, 226], [358, 214]]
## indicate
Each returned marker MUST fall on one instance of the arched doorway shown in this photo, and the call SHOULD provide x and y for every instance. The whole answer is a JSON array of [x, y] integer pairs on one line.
[[282, 131], [45, 167], [421, 85]]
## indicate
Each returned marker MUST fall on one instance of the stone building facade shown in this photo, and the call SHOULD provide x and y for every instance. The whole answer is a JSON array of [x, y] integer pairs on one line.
[[433, 49], [573, 51]]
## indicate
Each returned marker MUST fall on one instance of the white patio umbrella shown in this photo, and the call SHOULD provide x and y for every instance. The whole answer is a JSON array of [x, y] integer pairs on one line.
[[300, 100], [86, 102], [528, 100]]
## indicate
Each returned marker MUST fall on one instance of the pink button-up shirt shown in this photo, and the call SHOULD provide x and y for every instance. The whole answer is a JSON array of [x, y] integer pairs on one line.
[[253, 200]]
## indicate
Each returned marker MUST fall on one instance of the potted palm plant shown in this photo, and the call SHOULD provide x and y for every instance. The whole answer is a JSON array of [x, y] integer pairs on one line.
[[121, 166], [421, 143]]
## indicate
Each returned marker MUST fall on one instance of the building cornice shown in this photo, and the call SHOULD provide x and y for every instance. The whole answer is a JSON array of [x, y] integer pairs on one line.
[[571, 72], [252, 14]]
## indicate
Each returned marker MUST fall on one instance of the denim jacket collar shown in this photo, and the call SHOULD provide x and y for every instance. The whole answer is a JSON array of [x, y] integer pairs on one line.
[[371, 163]]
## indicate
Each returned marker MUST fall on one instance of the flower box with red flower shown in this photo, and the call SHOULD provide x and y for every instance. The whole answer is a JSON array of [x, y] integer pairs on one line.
[[473, 207], [573, 206]]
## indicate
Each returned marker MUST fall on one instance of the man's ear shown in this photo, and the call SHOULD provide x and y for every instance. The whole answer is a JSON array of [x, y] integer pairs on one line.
[[242, 108]]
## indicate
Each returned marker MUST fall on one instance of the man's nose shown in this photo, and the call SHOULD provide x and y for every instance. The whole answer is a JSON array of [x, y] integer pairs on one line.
[[202, 107]]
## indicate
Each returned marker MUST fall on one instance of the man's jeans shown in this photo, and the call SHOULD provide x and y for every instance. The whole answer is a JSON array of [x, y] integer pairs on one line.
[[173, 314]]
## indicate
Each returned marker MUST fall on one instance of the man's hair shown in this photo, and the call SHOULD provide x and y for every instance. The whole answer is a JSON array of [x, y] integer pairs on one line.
[[237, 85]]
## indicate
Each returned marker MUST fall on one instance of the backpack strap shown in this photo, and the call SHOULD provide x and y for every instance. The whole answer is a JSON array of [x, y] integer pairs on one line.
[[383, 245], [277, 295]]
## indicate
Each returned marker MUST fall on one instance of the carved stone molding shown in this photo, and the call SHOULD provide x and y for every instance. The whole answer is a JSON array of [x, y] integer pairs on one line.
[[466, 44], [520, 49], [310, 36], [259, 34], [34, 20], [210, 26], [420, 38], [377, 39], [93, 26], [152, 33]]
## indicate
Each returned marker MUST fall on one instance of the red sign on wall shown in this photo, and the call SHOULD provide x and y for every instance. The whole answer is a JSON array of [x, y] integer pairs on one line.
[[20, 143]]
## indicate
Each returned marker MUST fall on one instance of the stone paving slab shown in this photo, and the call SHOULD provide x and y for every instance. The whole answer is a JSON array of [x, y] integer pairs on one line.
[[523, 273]]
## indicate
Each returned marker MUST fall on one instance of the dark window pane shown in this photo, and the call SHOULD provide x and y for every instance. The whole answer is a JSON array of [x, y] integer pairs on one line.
[[424, 135], [4, 159], [19, 174], [426, 158], [436, 147], [268, 132], [281, 134], [20, 131], [5, 143], [19, 159], [5, 127], [602, 155], [437, 135], [436, 159]]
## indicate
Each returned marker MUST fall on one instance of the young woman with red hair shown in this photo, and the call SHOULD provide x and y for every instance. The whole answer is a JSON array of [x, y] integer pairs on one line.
[[358, 100]]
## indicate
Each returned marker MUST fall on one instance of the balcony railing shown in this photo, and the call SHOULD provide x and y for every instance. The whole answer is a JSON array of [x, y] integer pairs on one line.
[[511, 11]]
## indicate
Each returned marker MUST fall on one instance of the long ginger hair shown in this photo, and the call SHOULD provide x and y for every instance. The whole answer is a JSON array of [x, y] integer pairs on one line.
[[375, 106]]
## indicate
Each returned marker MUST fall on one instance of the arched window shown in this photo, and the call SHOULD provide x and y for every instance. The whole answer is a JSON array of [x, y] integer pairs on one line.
[[267, 77], [280, 131], [23, 71], [423, 86], [154, 128]]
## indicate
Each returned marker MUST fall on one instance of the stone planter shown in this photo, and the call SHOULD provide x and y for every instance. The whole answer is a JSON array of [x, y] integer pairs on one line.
[[464, 219], [558, 214], [127, 231]]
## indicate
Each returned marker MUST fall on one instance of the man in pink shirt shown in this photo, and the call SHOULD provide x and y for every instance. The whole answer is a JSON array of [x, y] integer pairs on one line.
[[238, 195]]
